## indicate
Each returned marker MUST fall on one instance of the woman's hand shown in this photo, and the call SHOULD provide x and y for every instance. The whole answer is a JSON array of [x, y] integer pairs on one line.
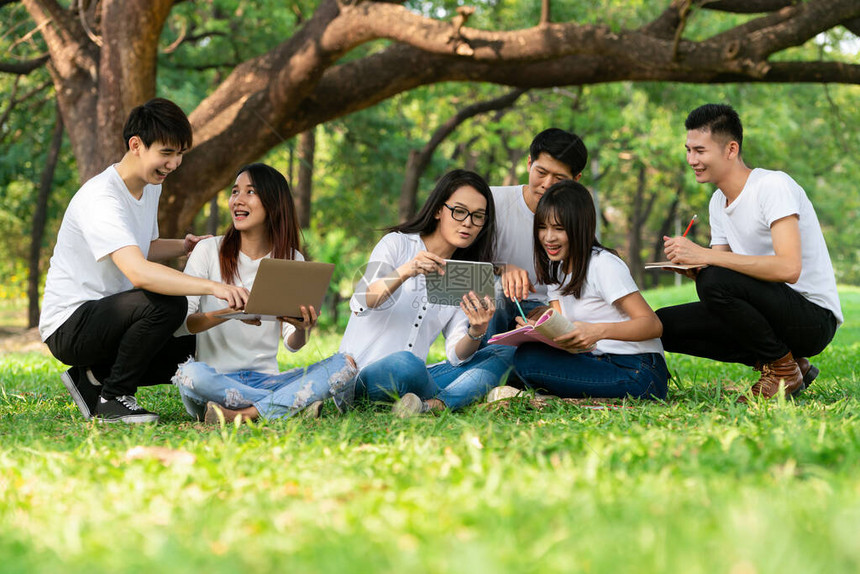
[[306, 323], [479, 312], [424, 263], [227, 310], [299, 337], [583, 337]]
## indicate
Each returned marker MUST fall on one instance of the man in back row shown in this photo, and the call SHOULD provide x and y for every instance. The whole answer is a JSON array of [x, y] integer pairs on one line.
[[767, 296], [109, 310], [554, 155]]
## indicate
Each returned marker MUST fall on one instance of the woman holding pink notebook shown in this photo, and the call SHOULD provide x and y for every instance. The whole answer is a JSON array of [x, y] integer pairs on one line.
[[611, 347]]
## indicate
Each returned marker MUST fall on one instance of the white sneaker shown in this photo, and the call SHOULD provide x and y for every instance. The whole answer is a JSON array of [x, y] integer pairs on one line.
[[503, 392], [408, 405]]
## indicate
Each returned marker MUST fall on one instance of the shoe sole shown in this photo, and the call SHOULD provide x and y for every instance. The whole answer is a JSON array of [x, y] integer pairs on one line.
[[76, 395], [808, 378], [129, 419]]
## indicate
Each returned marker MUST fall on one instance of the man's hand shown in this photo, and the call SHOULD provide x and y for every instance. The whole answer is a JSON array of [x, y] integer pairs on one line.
[[191, 242], [682, 250], [516, 283], [234, 296]]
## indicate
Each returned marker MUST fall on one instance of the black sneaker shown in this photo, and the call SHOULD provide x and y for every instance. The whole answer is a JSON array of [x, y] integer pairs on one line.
[[123, 409], [84, 388]]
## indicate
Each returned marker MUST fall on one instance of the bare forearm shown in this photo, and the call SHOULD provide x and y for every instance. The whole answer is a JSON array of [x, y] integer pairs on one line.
[[764, 267], [167, 281], [466, 347], [198, 322], [637, 329], [165, 249], [297, 339]]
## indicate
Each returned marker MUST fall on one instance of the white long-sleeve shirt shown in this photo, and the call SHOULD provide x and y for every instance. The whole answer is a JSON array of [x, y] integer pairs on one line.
[[405, 321]]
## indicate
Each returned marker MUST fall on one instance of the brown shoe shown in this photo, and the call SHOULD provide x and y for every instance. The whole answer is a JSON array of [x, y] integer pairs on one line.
[[809, 372], [785, 371]]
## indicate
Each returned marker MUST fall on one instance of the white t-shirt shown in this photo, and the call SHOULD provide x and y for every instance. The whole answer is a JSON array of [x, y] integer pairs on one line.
[[102, 217], [233, 345], [515, 234], [405, 321], [745, 227], [607, 280]]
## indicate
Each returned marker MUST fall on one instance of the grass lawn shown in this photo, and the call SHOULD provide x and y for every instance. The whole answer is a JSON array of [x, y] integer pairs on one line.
[[698, 484]]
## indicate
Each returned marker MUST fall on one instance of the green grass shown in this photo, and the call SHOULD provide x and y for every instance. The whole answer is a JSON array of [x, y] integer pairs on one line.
[[698, 484]]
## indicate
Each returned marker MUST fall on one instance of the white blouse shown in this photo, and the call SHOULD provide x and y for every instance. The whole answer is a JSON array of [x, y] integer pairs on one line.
[[405, 321]]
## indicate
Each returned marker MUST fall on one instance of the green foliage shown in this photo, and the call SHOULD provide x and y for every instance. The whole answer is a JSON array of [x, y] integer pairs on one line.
[[809, 131], [698, 484]]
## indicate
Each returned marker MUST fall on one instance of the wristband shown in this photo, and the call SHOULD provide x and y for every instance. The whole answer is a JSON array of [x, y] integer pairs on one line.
[[474, 338]]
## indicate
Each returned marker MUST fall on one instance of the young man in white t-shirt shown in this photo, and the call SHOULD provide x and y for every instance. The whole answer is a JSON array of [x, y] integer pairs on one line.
[[767, 297], [554, 155], [109, 310]]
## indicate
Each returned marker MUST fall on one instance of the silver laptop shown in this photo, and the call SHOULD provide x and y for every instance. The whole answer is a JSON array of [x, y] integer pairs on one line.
[[460, 277], [282, 286]]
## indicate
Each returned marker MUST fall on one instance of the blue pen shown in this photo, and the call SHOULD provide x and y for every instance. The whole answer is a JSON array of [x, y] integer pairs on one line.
[[520, 309]]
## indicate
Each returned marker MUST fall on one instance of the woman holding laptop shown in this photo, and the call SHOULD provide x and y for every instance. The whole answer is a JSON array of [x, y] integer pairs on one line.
[[236, 367], [393, 325]]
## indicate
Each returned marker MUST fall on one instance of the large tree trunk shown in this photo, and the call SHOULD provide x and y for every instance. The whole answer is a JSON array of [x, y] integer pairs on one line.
[[40, 217]]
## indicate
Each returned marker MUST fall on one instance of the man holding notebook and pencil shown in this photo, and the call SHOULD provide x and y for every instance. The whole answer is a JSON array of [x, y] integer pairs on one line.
[[767, 292]]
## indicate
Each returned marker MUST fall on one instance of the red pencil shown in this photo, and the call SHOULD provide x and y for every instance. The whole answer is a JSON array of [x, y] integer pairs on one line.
[[689, 225]]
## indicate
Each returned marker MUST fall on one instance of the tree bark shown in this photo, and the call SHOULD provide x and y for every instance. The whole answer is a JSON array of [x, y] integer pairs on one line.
[[40, 217], [304, 183]]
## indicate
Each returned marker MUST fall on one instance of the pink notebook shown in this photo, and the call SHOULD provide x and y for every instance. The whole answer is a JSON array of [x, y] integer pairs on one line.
[[526, 334]]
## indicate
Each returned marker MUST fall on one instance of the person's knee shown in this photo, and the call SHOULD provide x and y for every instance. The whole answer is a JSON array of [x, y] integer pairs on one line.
[[190, 374], [712, 281], [172, 308]]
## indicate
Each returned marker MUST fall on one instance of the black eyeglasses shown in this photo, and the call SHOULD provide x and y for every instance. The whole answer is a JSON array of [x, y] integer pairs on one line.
[[461, 213]]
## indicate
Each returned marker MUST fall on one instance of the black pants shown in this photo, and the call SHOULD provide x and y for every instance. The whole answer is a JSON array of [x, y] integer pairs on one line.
[[126, 339], [740, 319]]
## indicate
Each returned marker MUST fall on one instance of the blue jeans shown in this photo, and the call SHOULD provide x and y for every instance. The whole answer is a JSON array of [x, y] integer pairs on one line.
[[564, 374], [457, 387], [274, 396]]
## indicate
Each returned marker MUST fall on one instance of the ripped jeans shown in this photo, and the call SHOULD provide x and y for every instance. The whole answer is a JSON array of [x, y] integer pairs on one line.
[[274, 396]]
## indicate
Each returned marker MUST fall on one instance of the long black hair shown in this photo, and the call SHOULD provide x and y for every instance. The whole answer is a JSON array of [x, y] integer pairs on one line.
[[569, 204], [483, 248], [282, 223]]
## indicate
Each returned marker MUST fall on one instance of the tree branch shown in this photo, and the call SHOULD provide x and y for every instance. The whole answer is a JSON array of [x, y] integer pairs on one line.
[[746, 6], [24, 68], [545, 12]]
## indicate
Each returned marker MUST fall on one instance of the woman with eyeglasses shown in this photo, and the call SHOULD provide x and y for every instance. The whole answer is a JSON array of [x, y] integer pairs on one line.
[[393, 325]]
